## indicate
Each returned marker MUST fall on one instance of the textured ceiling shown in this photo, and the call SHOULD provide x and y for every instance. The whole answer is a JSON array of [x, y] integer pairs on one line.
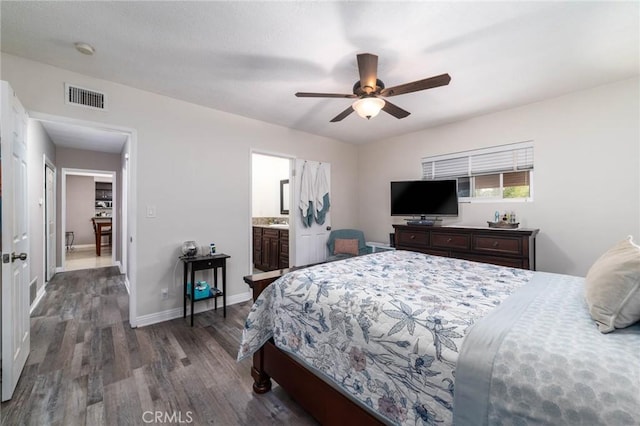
[[249, 58], [87, 138]]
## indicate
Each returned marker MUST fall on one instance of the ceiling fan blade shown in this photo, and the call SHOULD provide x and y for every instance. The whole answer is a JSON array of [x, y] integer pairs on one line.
[[368, 68], [324, 95], [394, 110], [414, 86], [342, 115]]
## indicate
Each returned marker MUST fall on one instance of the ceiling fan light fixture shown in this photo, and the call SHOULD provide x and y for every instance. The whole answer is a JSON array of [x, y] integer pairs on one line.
[[368, 107]]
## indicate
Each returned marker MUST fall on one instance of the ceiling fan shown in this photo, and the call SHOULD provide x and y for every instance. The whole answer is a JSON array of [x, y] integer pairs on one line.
[[370, 90]]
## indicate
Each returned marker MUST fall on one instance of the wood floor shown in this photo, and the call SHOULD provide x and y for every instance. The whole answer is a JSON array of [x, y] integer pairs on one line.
[[87, 366]]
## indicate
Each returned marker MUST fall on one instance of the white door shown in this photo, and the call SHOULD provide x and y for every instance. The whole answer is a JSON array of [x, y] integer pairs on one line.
[[15, 240], [310, 241], [50, 222]]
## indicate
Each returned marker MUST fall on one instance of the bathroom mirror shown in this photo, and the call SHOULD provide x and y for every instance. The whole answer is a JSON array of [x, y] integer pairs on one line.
[[284, 196]]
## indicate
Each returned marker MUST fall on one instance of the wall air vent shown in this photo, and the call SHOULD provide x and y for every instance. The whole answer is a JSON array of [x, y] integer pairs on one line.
[[79, 96]]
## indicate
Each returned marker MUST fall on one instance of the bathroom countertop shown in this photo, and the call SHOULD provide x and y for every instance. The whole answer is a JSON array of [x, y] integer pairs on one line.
[[273, 226]]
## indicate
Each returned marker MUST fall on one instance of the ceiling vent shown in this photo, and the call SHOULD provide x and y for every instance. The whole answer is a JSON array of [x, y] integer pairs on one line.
[[79, 96]]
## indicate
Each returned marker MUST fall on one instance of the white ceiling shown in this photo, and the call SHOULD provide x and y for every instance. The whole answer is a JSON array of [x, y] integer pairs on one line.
[[87, 138], [249, 58]]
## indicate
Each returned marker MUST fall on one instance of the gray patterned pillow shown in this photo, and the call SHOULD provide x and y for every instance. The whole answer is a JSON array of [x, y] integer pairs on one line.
[[612, 287]]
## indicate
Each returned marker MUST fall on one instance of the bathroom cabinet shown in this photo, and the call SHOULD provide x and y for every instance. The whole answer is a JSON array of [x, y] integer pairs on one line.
[[270, 248]]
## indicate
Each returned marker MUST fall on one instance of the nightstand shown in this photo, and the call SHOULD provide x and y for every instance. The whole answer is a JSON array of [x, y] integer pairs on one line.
[[201, 263]]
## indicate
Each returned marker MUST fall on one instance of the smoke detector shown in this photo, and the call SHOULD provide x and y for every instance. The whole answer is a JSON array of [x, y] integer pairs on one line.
[[84, 48]]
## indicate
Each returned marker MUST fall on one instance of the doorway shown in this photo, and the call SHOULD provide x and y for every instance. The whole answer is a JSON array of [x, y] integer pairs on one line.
[[80, 146], [49, 219], [270, 211], [89, 200]]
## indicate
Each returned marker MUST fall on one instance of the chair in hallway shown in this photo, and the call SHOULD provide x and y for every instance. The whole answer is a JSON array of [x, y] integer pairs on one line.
[[101, 228]]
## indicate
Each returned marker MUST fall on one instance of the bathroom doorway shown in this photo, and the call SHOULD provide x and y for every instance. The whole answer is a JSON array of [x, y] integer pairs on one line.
[[270, 211]]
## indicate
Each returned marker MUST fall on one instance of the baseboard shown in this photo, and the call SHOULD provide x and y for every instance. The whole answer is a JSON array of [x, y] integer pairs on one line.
[[126, 284], [83, 246], [119, 265], [199, 307], [59, 269], [37, 300]]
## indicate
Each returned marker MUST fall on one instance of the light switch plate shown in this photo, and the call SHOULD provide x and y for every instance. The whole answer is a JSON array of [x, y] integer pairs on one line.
[[151, 211]]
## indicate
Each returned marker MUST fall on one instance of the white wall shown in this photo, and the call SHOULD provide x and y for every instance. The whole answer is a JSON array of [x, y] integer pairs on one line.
[[587, 172], [192, 164], [39, 144], [266, 174]]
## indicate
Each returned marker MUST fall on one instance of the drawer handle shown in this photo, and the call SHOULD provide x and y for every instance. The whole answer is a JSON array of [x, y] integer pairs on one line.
[[496, 244], [449, 240], [413, 237]]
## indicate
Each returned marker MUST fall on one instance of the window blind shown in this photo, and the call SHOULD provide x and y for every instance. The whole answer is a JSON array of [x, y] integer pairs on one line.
[[498, 159]]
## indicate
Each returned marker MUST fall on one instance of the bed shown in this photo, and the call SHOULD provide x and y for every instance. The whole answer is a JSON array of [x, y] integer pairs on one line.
[[379, 339]]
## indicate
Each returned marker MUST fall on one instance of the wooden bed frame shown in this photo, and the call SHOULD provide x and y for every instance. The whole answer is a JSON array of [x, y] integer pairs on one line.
[[324, 402]]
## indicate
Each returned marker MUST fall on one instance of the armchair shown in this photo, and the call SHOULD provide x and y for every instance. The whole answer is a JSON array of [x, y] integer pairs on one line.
[[346, 248]]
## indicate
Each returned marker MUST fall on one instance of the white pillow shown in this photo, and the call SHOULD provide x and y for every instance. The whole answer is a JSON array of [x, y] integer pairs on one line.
[[612, 287]]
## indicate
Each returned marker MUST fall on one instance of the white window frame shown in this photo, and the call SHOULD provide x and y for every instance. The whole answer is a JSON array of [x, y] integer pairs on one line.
[[464, 168]]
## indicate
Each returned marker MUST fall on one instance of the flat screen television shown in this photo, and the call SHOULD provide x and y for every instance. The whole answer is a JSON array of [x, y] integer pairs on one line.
[[424, 198]]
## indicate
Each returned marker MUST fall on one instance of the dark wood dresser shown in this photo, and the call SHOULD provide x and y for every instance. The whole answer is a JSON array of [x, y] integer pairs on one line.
[[506, 247]]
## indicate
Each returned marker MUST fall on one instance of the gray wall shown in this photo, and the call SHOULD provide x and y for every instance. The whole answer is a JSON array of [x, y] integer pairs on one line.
[[80, 208], [193, 164]]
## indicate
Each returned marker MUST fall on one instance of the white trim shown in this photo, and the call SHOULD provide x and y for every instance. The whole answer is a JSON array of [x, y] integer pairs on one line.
[[66, 171], [174, 313], [83, 246], [59, 269], [39, 296], [126, 284], [46, 162]]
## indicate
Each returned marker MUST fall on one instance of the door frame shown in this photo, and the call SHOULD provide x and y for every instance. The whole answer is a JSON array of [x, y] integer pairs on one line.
[[63, 213], [292, 240], [46, 162]]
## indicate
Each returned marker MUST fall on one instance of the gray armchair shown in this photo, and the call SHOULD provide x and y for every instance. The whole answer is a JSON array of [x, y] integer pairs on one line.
[[345, 234]]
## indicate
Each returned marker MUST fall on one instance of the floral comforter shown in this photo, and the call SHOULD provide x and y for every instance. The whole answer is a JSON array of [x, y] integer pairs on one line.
[[386, 328]]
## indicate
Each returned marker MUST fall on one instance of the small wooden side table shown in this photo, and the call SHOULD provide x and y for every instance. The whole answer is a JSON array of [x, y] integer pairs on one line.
[[201, 263]]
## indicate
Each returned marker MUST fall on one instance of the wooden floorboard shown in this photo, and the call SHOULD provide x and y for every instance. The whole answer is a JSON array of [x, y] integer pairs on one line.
[[87, 366]]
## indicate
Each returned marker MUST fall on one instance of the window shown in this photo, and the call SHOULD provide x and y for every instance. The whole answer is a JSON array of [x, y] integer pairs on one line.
[[498, 173]]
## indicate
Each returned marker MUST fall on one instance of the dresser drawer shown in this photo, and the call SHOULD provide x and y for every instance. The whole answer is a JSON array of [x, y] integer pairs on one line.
[[495, 260], [449, 240], [504, 245], [412, 238]]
